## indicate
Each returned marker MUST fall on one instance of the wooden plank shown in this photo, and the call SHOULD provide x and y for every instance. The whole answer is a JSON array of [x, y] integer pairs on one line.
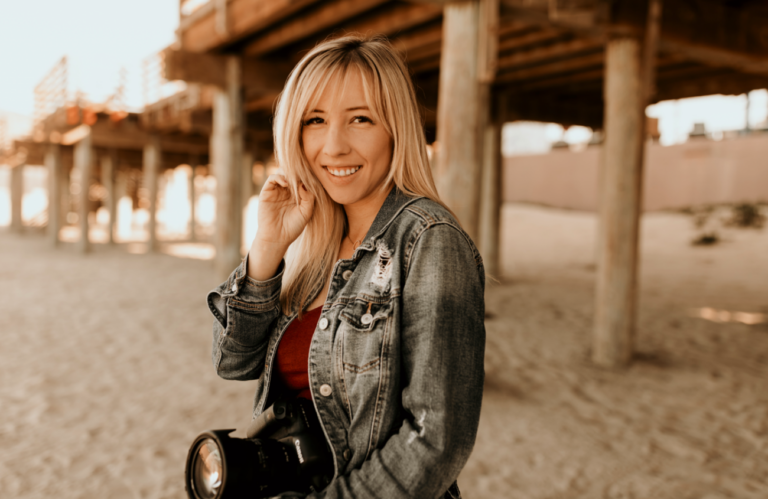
[[417, 39], [265, 103], [528, 39], [193, 67], [199, 33], [716, 82], [325, 16], [543, 54], [258, 76], [715, 56], [616, 290], [587, 79], [593, 75], [247, 17], [572, 65], [430, 63], [400, 17]]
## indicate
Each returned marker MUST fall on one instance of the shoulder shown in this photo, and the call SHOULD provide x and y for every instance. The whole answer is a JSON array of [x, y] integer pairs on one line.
[[425, 220], [423, 213]]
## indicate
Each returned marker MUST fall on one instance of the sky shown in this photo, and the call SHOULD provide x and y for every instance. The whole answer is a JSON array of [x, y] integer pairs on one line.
[[100, 37]]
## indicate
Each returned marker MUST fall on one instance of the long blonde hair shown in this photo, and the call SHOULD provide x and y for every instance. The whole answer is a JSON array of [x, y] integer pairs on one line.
[[391, 98]]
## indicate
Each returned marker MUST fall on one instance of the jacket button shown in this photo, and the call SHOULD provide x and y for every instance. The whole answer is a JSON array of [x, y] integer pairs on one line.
[[323, 323], [325, 390], [366, 319], [346, 275], [347, 454]]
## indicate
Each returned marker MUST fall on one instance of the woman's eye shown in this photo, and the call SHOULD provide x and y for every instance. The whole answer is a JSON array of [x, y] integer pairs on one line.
[[316, 120], [361, 119]]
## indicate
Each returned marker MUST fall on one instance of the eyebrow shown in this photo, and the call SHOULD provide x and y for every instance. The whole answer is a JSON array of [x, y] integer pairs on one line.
[[358, 108]]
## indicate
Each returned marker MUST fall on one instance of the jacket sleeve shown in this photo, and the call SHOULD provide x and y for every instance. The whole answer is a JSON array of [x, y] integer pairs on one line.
[[244, 310], [443, 345]]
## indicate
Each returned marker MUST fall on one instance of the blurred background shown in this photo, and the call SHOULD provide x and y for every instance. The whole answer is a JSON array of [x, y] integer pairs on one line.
[[613, 174]]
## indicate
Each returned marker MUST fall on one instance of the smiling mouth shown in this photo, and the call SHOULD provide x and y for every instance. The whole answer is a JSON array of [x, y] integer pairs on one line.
[[343, 172]]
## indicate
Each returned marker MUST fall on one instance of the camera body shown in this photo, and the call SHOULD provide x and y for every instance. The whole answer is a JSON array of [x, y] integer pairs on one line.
[[285, 450]]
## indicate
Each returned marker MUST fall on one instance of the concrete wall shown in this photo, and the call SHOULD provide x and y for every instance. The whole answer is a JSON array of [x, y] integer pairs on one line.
[[697, 172]]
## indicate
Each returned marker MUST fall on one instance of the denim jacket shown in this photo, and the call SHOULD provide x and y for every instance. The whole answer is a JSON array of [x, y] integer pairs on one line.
[[396, 360]]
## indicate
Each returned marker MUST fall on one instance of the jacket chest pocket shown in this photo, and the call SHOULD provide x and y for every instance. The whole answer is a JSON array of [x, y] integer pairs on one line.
[[365, 328]]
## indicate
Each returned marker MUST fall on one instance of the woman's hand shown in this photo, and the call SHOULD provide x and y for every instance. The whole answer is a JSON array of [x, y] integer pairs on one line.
[[281, 221]]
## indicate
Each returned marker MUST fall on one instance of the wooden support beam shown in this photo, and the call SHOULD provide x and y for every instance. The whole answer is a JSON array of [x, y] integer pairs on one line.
[[573, 65], [587, 80], [418, 39], [54, 165], [84, 159], [152, 161], [490, 200], [398, 18], [546, 35], [616, 296], [650, 52], [122, 227], [550, 53], [198, 31], [17, 194], [65, 185], [460, 113], [194, 162], [257, 76], [584, 109], [227, 164], [246, 181], [108, 168], [712, 32], [327, 15], [489, 136], [728, 83]]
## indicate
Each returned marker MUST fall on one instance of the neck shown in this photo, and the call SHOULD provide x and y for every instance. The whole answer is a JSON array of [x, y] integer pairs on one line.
[[360, 216]]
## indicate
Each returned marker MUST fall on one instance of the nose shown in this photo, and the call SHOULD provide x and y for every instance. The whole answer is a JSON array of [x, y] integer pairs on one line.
[[336, 141]]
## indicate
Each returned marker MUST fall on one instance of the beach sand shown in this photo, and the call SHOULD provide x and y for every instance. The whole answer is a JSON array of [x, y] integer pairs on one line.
[[105, 371]]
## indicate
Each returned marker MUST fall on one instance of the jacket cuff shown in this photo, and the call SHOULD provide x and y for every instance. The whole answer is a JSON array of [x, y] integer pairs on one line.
[[246, 293]]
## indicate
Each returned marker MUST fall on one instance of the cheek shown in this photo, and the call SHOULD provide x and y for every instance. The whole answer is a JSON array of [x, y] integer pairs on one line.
[[309, 146]]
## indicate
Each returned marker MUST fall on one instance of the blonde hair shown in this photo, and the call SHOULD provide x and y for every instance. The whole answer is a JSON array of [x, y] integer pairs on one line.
[[391, 98]]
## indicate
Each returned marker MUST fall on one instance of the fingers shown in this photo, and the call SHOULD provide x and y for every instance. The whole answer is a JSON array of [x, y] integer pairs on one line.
[[273, 181], [306, 202]]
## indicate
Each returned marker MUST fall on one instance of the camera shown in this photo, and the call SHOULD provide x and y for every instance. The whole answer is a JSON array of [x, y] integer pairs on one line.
[[285, 450]]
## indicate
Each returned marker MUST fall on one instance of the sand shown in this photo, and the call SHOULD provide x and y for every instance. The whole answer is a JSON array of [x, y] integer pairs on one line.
[[106, 376]]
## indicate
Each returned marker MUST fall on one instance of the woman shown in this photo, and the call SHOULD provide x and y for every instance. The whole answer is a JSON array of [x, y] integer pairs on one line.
[[362, 278]]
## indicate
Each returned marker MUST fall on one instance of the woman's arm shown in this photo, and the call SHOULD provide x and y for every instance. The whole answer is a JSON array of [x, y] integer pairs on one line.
[[247, 304], [244, 310], [443, 344]]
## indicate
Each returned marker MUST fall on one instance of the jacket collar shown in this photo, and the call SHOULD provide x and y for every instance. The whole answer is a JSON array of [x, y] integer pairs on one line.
[[395, 202]]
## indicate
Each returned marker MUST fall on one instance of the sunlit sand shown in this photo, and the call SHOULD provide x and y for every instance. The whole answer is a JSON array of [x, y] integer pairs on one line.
[[106, 371]]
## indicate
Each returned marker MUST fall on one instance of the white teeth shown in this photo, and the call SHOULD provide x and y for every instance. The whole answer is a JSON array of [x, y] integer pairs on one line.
[[343, 173]]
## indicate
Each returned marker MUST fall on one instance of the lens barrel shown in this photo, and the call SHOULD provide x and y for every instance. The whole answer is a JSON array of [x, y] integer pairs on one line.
[[221, 467]]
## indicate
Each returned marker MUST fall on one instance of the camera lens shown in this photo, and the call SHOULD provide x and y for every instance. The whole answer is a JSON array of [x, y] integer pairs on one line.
[[208, 469]]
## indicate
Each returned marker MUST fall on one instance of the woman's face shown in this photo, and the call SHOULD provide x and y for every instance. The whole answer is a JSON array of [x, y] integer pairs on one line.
[[350, 152]]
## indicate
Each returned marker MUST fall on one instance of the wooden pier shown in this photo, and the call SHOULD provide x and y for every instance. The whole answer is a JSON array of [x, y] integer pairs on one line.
[[476, 64]]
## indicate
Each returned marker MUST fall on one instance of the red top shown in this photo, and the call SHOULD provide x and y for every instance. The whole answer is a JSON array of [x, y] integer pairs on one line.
[[293, 354]]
